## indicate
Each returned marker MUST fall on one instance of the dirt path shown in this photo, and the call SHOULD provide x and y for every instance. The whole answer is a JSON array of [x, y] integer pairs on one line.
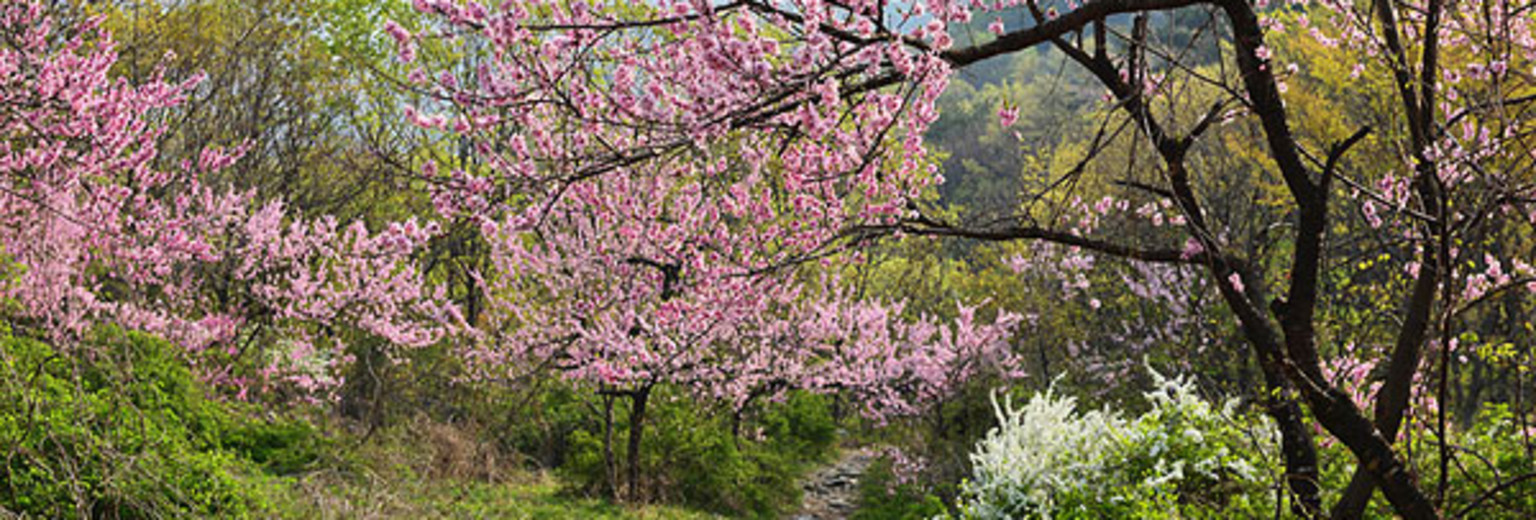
[[832, 492]]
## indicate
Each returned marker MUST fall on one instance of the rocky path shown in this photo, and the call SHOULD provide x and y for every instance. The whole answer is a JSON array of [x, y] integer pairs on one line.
[[832, 492]]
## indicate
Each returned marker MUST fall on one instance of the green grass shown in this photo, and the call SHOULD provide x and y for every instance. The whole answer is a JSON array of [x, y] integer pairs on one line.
[[540, 499], [531, 497]]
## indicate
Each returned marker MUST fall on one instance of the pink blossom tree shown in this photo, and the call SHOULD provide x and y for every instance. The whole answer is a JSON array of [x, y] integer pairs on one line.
[[626, 283], [631, 248], [100, 235]]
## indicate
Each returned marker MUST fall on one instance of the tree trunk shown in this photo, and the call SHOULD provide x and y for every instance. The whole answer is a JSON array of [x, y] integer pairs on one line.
[[1296, 445], [1298, 449], [1373, 453], [610, 467], [636, 430]]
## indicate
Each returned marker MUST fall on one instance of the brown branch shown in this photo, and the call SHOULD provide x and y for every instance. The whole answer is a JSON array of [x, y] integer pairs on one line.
[[1015, 232], [1070, 21]]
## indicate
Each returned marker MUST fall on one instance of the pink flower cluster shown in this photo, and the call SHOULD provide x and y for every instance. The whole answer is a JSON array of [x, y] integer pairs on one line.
[[99, 233]]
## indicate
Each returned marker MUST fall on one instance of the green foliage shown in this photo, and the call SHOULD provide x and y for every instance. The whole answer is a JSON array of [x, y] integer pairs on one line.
[[986, 164], [281, 448], [397, 496], [691, 457], [129, 433], [539, 499], [424, 468], [124, 430], [126, 434], [309, 85], [546, 425], [801, 425], [882, 497], [1492, 469]]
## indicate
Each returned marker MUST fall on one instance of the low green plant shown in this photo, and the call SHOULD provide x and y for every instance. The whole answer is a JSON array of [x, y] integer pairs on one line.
[[692, 457], [279, 448], [1495, 457], [883, 497], [123, 429], [1492, 468]]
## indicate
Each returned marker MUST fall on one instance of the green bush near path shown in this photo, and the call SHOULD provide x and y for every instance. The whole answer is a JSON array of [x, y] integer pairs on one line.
[[131, 434], [127, 434]]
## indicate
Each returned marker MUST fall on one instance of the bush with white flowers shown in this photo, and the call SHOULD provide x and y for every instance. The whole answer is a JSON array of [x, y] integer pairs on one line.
[[1047, 459]]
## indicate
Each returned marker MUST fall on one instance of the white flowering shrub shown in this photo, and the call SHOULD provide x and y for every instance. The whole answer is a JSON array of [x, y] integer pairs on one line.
[[1037, 454], [1183, 457], [1198, 452]]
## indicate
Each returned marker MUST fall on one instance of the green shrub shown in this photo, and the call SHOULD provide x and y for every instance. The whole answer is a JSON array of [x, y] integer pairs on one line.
[[280, 448], [545, 425], [1496, 464], [881, 497], [691, 457], [122, 429], [1491, 473], [1186, 457]]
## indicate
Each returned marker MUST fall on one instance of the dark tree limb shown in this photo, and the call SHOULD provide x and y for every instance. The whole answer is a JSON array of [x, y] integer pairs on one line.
[[1334, 410]]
